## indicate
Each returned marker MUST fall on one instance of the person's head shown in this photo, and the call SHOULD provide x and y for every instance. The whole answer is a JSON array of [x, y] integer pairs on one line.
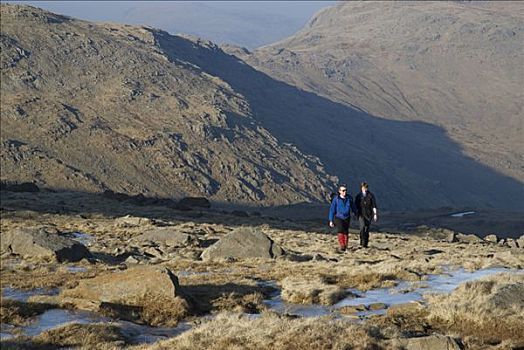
[[342, 190], [364, 187]]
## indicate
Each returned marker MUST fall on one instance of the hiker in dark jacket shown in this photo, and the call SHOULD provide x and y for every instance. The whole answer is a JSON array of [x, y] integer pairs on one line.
[[366, 208], [340, 214]]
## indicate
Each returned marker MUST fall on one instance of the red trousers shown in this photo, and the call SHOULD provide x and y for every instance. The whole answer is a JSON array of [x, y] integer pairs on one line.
[[342, 240]]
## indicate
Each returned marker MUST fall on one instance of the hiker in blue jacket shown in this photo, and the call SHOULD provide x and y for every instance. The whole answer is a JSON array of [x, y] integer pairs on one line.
[[340, 215]]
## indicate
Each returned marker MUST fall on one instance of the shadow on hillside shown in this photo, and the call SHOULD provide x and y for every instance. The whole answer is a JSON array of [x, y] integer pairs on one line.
[[410, 164], [163, 211]]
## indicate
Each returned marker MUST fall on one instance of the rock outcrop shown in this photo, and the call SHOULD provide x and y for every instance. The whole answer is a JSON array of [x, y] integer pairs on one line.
[[167, 236], [39, 243], [128, 287], [432, 342], [243, 242]]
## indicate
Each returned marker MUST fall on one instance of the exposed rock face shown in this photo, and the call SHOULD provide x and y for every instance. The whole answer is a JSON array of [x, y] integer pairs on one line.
[[124, 287], [167, 236], [161, 126], [243, 242], [37, 242]]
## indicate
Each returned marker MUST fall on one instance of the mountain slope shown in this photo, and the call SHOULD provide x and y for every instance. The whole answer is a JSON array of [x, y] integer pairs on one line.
[[138, 110], [458, 65], [91, 107]]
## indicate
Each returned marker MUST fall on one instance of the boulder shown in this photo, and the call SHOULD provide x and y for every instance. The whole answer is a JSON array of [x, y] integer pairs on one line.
[[200, 202], [37, 242], [432, 342], [510, 242], [491, 238], [352, 309], [377, 306], [131, 221], [168, 236], [126, 287], [461, 237], [442, 234], [243, 242], [403, 308], [520, 242]]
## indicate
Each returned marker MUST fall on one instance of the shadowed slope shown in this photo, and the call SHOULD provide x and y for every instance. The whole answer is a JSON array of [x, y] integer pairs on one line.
[[409, 164]]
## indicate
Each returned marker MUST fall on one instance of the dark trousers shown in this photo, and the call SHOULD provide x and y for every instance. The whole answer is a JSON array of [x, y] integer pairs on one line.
[[364, 224]]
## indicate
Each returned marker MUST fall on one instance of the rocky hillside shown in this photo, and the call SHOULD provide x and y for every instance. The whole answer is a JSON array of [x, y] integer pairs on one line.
[[90, 107], [457, 65]]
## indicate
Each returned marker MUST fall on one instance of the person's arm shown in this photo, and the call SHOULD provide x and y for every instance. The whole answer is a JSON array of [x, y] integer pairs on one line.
[[332, 211], [353, 206], [374, 203]]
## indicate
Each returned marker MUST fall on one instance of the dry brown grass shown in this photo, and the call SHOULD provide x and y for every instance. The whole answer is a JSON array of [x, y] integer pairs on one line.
[[249, 303], [79, 336], [367, 281], [489, 311], [44, 276], [150, 310], [270, 331], [312, 290], [19, 313]]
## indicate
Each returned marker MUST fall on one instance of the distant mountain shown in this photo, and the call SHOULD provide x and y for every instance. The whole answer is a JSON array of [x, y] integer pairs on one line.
[[457, 65], [91, 107], [245, 23], [137, 110]]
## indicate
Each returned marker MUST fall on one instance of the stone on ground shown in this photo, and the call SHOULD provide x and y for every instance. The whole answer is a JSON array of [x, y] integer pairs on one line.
[[127, 287], [37, 242], [520, 242], [468, 238], [432, 342], [131, 221], [167, 236], [491, 238], [244, 242]]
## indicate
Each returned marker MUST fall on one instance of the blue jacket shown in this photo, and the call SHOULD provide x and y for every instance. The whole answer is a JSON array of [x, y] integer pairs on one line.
[[341, 208]]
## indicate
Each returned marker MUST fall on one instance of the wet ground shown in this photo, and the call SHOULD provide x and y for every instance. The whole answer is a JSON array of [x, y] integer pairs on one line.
[[403, 292]]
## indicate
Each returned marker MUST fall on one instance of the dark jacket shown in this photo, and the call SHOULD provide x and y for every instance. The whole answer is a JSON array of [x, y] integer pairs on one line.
[[365, 204], [341, 208]]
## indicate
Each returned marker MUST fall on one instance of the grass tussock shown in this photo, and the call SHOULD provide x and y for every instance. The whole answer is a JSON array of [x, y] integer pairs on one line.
[[409, 320], [149, 310], [19, 313], [490, 310], [78, 336], [367, 281], [43, 277], [252, 303], [311, 291], [270, 331], [244, 296]]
